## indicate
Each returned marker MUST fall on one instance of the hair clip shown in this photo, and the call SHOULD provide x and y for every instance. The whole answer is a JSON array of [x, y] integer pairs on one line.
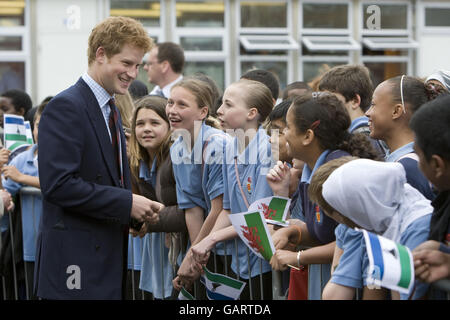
[[316, 94], [314, 125]]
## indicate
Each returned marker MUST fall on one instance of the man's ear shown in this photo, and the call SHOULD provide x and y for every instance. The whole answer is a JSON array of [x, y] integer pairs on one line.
[[100, 55], [21, 111], [165, 65]]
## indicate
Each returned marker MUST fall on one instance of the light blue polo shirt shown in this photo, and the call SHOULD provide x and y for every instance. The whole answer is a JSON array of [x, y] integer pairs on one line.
[[358, 122], [400, 152], [31, 205], [348, 272], [156, 270], [197, 187], [253, 165]]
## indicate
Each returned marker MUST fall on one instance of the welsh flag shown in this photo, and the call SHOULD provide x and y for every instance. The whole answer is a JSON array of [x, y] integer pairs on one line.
[[390, 264], [221, 287], [14, 130], [275, 209], [252, 229], [29, 133]]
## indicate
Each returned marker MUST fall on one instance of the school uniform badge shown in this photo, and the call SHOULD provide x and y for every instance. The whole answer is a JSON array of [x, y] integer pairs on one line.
[[318, 214], [249, 185]]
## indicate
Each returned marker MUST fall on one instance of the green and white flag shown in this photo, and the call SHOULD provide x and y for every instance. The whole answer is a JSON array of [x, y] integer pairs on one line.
[[29, 133], [252, 229], [390, 264], [275, 209], [221, 287], [14, 130], [185, 295]]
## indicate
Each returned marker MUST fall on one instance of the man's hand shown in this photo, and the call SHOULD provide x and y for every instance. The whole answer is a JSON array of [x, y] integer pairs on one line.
[[145, 210]]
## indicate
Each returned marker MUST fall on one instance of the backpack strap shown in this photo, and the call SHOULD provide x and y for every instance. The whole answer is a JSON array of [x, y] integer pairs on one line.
[[411, 155], [239, 183]]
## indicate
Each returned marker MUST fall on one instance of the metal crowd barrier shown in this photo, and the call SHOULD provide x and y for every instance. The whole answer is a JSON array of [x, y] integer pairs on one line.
[[137, 293]]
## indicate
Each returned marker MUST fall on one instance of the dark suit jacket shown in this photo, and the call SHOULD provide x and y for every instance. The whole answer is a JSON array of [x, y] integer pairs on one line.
[[82, 240]]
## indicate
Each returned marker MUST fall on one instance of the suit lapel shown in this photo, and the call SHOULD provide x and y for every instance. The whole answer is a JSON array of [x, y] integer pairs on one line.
[[101, 131]]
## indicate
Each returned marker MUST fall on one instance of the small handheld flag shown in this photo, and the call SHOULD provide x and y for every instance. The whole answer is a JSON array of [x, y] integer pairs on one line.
[[15, 135], [390, 264], [29, 133], [275, 209], [221, 287], [252, 229]]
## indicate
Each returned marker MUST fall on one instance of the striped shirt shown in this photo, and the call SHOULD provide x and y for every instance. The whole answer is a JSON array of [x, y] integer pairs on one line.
[[102, 97]]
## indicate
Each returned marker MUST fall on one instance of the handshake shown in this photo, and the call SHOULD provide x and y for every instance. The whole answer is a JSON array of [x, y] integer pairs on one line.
[[144, 210]]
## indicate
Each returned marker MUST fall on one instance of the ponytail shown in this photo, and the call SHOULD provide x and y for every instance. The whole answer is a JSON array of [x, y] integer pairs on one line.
[[358, 145]]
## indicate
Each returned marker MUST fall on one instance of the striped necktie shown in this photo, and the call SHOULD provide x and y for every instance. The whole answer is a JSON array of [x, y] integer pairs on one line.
[[113, 123]]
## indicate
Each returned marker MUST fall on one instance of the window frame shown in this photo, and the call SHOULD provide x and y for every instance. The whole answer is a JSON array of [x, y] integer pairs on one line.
[[245, 41], [391, 32], [421, 14], [24, 55], [326, 31], [353, 46], [259, 30], [207, 55]]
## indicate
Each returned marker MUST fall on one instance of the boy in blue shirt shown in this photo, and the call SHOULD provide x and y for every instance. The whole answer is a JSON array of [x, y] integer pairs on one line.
[[22, 171], [432, 145]]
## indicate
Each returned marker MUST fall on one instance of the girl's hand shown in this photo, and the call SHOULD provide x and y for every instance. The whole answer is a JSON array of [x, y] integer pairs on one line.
[[281, 259], [12, 173], [201, 251], [281, 238], [279, 178], [4, 156]]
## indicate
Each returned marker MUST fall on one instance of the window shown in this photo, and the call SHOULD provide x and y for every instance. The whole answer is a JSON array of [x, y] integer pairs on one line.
[[265, 39], [263, 14], [14, 45], [12, 13], [388, 51], [326, 36], [393, 16], [329, 17], [434, 17], [146, 11], [200, 29]]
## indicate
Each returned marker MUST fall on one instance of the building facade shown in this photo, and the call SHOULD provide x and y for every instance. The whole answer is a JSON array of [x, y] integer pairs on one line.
[[43, 43]]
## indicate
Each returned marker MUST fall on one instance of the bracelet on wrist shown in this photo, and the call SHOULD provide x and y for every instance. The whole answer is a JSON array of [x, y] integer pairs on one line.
[[299, 253]]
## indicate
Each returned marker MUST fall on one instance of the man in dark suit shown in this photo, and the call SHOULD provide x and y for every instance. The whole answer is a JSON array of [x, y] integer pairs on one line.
[[84, 175]]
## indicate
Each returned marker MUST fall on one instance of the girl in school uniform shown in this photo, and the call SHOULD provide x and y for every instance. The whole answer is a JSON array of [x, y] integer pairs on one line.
[[245, 105], [393, 103], [317, 132], [149, 155], [197, 165], [383, 203]]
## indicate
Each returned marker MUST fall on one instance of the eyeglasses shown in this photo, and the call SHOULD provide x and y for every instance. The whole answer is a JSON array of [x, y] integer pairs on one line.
[[401, 93]]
